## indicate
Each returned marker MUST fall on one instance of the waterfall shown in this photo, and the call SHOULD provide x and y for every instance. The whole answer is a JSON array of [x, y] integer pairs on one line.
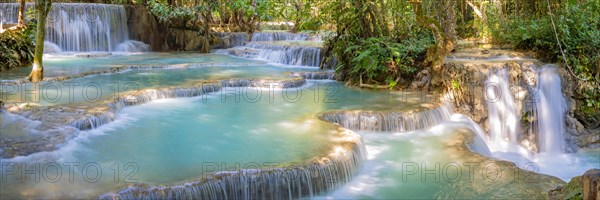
[[82, 27], [478, 145], [278, 36], [133, 46], [502, 113], [277, 47], [289, 55], [388, 121], [551, 110], [277, 53]]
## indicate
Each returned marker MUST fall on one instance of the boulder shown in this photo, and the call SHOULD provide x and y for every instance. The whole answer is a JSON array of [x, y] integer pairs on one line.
[[591, 184]]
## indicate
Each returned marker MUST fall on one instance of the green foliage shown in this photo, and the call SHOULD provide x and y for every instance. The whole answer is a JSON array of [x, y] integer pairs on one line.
[[381, 42], [381, 59], [578, 29], [572, 190], [16, 47], [165, 12], [310, 24], [455, 84]]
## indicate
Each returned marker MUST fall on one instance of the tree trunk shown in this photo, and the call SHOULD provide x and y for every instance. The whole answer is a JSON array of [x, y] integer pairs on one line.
[[22, 13], [37, 72], [444, 37]]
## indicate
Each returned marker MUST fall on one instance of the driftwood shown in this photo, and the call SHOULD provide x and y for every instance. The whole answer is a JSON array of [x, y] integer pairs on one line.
[[362, 85]]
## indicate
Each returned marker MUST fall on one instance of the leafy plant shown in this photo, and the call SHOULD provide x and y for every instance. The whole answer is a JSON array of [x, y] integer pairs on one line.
[[16, 47], [166, 12], [381, 59]]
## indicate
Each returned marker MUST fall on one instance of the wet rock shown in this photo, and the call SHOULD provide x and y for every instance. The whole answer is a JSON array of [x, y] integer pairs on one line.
[[591, 140], [585, 187], [518, 184], [571, 190], [421, 80], [469, 68]]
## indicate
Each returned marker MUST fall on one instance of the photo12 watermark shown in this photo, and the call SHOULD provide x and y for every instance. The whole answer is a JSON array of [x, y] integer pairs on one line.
[[57, 172]]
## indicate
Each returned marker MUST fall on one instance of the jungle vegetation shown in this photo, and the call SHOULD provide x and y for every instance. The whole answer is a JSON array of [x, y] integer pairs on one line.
[[385, 43]]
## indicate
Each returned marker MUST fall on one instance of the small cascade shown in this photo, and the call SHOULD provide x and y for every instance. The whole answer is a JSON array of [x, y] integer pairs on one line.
[[388, 121], [289, 55], [277, 53], [278, 36], [315, 75], [280, 84], [295, 182], [278, 47], [50, 47], [478, 145], [502, 113], [93, 121], [551, 110], [81, 27], [133, 46]]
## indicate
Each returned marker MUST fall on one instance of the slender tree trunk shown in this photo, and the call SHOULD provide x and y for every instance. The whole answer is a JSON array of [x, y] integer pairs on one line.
[[37, 72], [443, 35], [22, 13]]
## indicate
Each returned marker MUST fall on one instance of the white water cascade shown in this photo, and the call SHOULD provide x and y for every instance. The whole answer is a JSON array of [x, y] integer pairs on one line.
[[502, 112], [551, 110], [289, 55], [278, 36], [503, 115], [83, 27], [280, 47]]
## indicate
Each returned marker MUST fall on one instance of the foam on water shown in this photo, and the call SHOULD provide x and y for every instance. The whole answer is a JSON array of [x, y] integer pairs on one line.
[[381, 176], [151, 132]]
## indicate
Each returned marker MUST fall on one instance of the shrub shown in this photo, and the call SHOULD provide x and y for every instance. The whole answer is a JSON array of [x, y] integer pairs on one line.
[[381, 60], [16, 48]]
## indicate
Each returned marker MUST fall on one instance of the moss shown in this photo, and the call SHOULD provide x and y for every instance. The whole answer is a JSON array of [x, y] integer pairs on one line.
[[572, 190]]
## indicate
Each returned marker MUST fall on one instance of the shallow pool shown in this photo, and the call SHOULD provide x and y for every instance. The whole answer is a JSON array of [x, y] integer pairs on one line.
[[71, 64]]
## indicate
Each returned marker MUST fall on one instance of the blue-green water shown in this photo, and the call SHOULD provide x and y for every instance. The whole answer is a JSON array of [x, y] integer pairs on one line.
[[178, 140], [62, 65], [100, 87], [175, 140]]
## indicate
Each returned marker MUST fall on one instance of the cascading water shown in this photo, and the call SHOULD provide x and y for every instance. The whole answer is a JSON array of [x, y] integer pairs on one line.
[[526, 112], [132, 46], [502, 113], [280, 47], [551, 110], [83, 27], [289, 55], [50, 47], [277, 36], [277, 53], [478, 145], [330, 75], [389, 121]]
